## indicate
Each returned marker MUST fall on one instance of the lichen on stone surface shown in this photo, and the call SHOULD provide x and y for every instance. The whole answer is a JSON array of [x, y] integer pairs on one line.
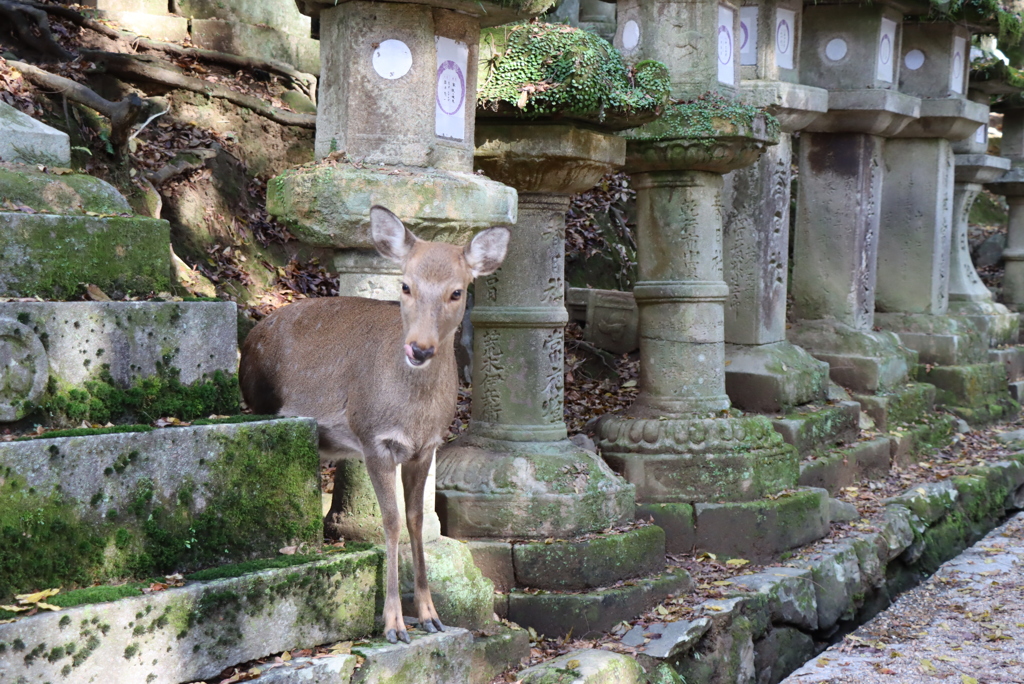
[[708, 117], [538, 70], [998, 16]]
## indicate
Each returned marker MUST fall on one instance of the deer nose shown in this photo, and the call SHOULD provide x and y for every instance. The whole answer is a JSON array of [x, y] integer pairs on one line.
[[417, 354]]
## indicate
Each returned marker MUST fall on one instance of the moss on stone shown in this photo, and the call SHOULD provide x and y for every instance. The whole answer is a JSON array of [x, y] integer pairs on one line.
[[239, 569], [261, 495], [88, 432], [541, 70], [49, 193], [708, 117], [149, 398], [996, 15]]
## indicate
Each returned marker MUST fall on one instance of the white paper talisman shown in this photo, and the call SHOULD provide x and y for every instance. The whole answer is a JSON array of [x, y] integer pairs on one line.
[[450, 102], [726, 47], [956, 71], [785, 36], [886, 51], [748, 36]]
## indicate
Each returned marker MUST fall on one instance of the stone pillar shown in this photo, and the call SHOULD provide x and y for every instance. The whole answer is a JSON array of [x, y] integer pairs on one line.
[[912, 297], [1011, 185], [514, 473], [598, 16], [764, 371], [851, 50]]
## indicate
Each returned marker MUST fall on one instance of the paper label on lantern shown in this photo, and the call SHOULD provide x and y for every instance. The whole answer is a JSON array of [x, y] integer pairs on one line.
[[392, 59], [726, 47], [785, 35], [886, 51], [630, 35], [748, 36], [981, 135], [956, 72], [450, 102]]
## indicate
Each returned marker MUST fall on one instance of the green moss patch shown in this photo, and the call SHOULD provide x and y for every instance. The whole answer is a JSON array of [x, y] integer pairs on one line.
[[239, 569], [708, 117], [158, 396], [261, 494], [88, 432], [536, 70], [995, 15]]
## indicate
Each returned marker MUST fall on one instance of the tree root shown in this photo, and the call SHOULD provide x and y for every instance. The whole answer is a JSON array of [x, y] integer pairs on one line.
[[144, 67], [122, 114], [44, 42], [180, 164]]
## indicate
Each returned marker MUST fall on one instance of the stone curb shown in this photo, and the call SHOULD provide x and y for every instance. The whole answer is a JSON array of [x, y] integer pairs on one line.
[[840, 584], [194, 632]]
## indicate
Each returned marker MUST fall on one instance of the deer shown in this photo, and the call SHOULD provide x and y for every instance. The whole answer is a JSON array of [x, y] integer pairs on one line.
[[380, 379]]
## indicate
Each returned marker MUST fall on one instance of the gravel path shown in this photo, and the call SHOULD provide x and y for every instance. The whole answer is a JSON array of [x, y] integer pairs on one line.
[[965, 625]]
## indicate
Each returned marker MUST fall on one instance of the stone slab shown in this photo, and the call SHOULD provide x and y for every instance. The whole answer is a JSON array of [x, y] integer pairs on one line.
[[586, 666], [462, 595], [937, 339], [978, 393], [861, 360], [78, 510], [194, 632], [442, 658], [494, 559], [837, 580], [259, 40], [337, 669], [844, 467], [24, 139], [282, 16], [795, 105], [1012, 359], [910, 444], [905, 404], [874, 112], [951, 118], [598, 562], [773, 377], [761, 530], [821, 427], [791, 596], [329, 206], [120, 255], [554, 614], [676, 519], [134, 339], [49, 192]]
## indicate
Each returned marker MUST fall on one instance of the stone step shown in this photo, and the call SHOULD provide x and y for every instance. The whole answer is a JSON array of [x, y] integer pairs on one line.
[[905, 404], [260, 41], [65, 346], [455, 656], [755, 530], [165, 27], [978, 393], [843, 467], [566, 565], [28, 141], [101, 243], [1012, 359], [558, 613], [195, 631], [817, 428], [279, 15], [97, 507]]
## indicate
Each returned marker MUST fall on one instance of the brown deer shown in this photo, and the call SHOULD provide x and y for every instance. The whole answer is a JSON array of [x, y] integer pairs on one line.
[[379, 378]]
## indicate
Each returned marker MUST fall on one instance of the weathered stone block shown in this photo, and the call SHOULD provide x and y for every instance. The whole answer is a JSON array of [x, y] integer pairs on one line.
[[844, 467], [257, 39], [26, 140], [676, 519], [837, 581], [329, 206], [598, 562], [588, 666], [781, 651], [159, 26], [896, 532], [494, 559], [773, 377], [554, 614], [216, 623], [78, 510], [335, 669], [907, 404], [494, 653], [967, 386], [858, 359], [1012, 359], [941, 340], [929, 501], [462, 595], [791, 595], [432, 659], [821, 427], [760, 530], [282, 16]]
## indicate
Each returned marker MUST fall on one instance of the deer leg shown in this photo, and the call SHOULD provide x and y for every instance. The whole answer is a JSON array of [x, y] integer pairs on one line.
[[382, 475], [414, 478]]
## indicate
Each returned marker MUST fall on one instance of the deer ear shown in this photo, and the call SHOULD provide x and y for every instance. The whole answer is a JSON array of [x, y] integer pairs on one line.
[[486, 251], [390, 236]]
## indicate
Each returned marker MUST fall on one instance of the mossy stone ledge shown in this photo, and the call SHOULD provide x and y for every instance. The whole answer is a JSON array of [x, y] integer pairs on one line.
[[709, 134], [80, 510], [553, 71]]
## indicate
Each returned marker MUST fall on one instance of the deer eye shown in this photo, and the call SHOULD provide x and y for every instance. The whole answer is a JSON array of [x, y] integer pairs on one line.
[[456, 295], [405, 289]]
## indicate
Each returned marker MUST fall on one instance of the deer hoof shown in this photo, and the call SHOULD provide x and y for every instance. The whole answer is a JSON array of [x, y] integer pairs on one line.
[[394, 635], [432, 625]]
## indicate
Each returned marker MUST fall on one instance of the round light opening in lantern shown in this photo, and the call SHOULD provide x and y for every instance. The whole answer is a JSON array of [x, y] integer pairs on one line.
[[835, 50], [630, 35], [913, 60], [392, 59]]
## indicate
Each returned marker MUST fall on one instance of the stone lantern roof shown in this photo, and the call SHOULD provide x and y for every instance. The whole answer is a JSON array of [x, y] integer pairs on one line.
[[488, 13], [558, 72]]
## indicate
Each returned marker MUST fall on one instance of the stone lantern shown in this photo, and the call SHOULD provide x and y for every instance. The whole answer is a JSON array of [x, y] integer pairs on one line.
[[702, 470], [968, 296], [912, 296], [852, 50], [1011, 185], [765, 372], [515, 474]]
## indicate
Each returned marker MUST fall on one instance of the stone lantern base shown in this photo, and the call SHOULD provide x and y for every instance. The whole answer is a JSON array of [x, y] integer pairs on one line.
[[861, 360], [773, 377]]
